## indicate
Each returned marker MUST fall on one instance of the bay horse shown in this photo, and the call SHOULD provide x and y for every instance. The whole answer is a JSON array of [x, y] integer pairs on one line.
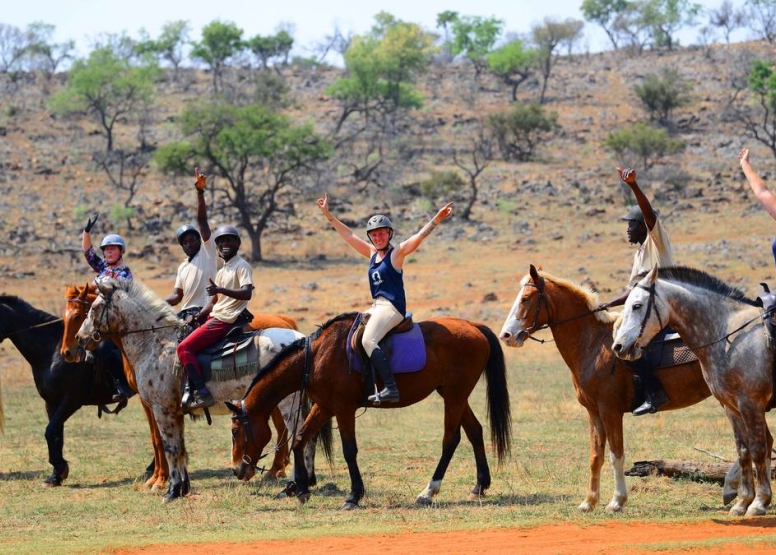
[[603, 383], [726, 332], [64, 387], [78, 300], [146, 328], [459, 352]]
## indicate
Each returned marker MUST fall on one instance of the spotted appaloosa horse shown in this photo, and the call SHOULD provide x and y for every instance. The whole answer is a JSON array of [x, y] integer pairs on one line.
[[78, 301], [726, 332], [65, 387], [145, 328], [459, 353], [604, 384]]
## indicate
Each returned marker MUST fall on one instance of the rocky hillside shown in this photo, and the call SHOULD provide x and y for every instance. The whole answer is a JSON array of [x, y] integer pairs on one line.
[[560, 210]]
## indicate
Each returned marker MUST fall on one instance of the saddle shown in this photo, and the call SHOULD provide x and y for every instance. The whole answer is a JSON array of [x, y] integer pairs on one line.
[[231, 358], [404, 346], [768, 303]]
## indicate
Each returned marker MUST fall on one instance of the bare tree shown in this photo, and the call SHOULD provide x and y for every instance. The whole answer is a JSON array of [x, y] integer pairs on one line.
[[473, 161], [727, 18]]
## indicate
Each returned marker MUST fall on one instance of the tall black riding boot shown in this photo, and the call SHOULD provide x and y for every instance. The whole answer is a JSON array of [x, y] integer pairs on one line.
[[655, 395], [112, 361], [382, 368]]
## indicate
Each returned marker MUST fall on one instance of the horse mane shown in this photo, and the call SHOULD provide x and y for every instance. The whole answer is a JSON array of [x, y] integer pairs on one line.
[[584, 292], [295, 346], [20, 304], [147, 299], [699, 278]]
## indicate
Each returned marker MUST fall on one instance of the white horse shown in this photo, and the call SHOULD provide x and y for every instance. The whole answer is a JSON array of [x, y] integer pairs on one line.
[[725, 331], [145, 328]]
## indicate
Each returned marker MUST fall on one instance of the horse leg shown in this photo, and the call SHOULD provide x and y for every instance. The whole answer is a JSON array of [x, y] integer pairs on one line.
[[597, 445], [450, 441], [55, 439], [473, 430], [760, 442], [278, 468], [312, 424], [161, 472], [745, 485], [347, 429], [169, 419], [612, 430]]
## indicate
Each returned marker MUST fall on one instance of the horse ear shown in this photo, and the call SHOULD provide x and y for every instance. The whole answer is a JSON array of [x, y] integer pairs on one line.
[[652, 275], [103, 289], [534, 273], [233, 406]]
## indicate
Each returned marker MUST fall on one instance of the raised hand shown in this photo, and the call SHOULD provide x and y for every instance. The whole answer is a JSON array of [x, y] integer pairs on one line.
[[743, 156], [628, 175], [90, 223], [445, 212], [201, 180], [323, 203]]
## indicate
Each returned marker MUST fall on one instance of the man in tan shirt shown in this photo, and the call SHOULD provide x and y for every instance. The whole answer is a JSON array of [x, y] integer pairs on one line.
[[645, 229]]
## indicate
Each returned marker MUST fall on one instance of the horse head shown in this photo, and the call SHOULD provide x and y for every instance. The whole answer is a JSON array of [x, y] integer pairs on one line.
[[77, 302], [641, 318], [250, 434], [528, 312], [96, 325]]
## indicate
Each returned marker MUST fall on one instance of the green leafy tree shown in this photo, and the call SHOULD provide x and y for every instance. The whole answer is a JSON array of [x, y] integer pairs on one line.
[[444, 21], [666, 17], [108, 88], [519, 130], [661, 94], [271, 49], [170, 45], [261, 155], [513, 63], [646, 143], [220, 42], [758, 116], [474, 38], [605, 14]]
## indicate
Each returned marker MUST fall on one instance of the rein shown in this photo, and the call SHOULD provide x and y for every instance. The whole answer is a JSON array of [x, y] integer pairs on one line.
[[36, 326], [99, 334]]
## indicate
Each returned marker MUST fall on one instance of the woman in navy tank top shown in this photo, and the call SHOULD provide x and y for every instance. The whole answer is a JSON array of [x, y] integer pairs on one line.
[[386, 283]]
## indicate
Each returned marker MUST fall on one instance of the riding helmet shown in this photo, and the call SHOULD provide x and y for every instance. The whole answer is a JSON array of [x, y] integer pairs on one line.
[[225, 230], [184, 229], [113, 240], [634, 214]]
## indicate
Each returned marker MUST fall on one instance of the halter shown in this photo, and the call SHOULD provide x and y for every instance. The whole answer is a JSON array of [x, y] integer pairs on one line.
[[650, 304], [242, 418]]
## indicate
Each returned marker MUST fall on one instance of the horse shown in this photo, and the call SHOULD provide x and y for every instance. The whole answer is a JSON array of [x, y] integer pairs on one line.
[[726, 332], [65, 387], [78, 301], [459, 352], [604, 384], [146, 329]]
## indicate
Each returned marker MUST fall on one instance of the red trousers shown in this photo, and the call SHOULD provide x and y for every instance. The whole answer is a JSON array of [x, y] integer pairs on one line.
[[202, 337]]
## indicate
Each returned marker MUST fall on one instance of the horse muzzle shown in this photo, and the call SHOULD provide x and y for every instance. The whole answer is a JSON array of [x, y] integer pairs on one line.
[[74, 355], [244, 471], [633, 352], [514, 340]]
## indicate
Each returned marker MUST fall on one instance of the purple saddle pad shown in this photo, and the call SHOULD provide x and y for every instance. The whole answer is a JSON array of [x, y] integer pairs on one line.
[[407, 352]]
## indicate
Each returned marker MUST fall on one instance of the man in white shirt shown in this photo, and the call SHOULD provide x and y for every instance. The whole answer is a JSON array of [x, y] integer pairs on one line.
[[645, 229]]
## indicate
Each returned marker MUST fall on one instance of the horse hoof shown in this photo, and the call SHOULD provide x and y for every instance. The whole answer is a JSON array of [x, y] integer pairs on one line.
[[613, 508], [423, 501], [168, 498], [349, 506], [756, 511], [585, 507], [474, 496], [52, 482], [737, 510], [303, 498]]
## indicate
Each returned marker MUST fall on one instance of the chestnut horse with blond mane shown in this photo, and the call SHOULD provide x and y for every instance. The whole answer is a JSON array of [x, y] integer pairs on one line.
[[604, 384], [78, 301]]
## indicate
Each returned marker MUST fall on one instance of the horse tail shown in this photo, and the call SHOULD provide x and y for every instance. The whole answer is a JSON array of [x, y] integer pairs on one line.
[[325, 441], [499, 409]]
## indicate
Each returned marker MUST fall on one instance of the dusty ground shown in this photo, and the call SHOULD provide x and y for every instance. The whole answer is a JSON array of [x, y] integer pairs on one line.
[[734, 536]]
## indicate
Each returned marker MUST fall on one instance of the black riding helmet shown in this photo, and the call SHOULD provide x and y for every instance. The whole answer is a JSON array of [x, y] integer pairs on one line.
[[183, 230], [379, 221]]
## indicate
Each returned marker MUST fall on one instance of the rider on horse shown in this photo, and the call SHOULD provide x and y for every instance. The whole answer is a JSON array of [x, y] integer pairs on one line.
[[111, 267], [201, 264], [228, 303], [386, 282], [646, 230]]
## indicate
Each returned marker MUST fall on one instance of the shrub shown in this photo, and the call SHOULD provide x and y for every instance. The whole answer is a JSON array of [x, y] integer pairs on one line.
[[649, 144], [441, 184], [519, 130], [662, 94]]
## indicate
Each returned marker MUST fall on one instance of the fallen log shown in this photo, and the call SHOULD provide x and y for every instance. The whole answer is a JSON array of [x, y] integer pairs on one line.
[[696, 471]]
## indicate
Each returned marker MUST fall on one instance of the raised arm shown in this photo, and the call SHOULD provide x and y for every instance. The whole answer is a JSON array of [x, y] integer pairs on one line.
[[86, 238], [199, 184], [359, 245], [628, 175], [761, 191], [411, 244]]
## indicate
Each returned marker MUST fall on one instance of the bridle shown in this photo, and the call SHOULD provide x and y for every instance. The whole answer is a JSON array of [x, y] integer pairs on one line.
[[98, 333], [550, 323], [651, 303], [242, 418]]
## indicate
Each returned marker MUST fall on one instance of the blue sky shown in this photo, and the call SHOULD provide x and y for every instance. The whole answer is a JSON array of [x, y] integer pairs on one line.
[[81, 19]]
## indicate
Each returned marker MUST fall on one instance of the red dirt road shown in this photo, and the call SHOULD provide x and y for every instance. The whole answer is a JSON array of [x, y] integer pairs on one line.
[[740, 536]]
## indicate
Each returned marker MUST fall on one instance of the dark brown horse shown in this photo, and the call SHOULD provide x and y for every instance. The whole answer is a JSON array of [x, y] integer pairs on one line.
[[459, 352], [604, 384], [79, 299], [65, 387]]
